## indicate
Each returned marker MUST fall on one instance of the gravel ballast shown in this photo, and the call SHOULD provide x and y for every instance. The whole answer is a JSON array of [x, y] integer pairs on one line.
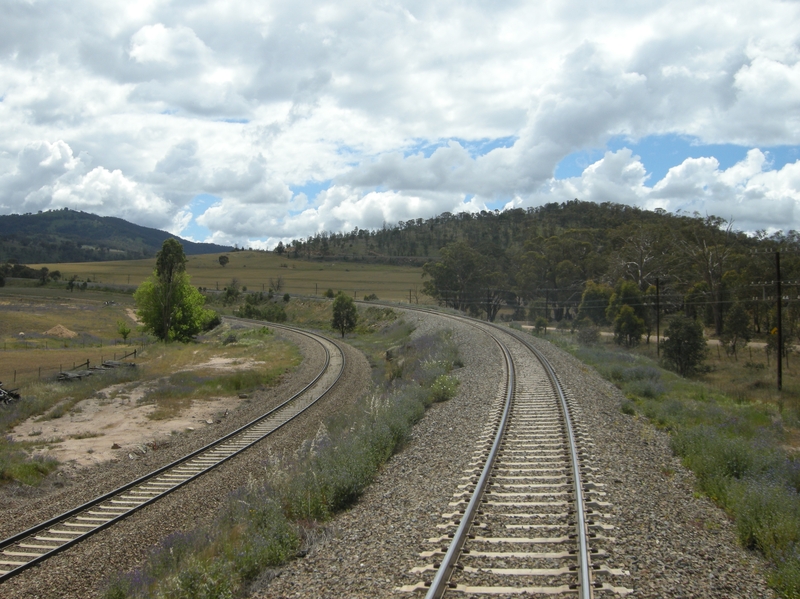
[[673, 543], [81, 571]]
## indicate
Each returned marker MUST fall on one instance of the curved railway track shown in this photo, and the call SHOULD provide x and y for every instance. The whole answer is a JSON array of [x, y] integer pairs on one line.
[[37, 544], [529, 518]]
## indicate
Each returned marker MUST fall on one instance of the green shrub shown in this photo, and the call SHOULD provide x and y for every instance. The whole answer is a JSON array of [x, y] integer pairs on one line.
[[588, 335], [444, 388]]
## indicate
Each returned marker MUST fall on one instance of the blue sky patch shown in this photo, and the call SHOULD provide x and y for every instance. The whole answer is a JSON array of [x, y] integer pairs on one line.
[[199, 204], [659, 153], [475, 147], [311, 188]]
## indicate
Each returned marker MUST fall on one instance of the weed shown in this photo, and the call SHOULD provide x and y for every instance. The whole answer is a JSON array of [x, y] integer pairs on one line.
[[444, 388], [260, 524], [86, 435], [733, 445]]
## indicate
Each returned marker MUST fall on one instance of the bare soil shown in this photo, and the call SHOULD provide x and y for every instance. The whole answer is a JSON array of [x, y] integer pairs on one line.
[[115, 426]]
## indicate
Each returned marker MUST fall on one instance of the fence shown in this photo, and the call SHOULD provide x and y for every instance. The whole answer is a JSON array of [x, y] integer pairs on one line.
[[17, 377]]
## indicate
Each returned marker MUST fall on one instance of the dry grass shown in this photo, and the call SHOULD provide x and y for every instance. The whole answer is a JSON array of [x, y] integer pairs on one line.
[[255, 269], [751, 378]]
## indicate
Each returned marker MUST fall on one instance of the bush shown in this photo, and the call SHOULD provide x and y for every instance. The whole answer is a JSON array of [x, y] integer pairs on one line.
[[685, 347], [329, 293], [588, 335], [370, 298], [286, 297], [628, 328], [540, 325], [444, 388]]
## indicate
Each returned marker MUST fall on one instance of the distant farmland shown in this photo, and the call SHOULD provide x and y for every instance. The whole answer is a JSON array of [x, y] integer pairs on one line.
[[255, 269]]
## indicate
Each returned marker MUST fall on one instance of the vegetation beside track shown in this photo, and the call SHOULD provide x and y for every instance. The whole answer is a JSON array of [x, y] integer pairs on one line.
[[165, 370], [736, 446], [270, 521]]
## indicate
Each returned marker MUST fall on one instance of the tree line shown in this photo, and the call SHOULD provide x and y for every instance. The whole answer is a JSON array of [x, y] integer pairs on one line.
[[609, 264]]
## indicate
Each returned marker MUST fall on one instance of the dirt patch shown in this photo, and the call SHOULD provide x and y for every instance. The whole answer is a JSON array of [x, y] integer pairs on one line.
[[61, 332], [227, 364], [132, 315], [114, 427]]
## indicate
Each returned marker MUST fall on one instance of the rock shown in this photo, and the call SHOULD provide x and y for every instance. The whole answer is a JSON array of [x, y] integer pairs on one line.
[[242, 395], [131, 456], [209, 421], [115, 446]]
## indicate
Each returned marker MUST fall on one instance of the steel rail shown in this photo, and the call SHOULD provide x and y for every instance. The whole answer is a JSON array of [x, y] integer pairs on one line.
[[30, 532], [442, 578], [585, 588], [584, 567]]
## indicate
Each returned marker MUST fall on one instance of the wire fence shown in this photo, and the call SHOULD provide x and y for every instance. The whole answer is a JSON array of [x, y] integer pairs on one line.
[[94, 357]]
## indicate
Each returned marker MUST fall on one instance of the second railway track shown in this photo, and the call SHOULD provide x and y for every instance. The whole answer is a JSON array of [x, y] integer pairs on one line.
[[36, 544], [529, 518]]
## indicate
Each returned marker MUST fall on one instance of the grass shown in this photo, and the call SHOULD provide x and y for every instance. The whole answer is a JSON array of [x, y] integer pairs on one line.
[[171, 365], [272, 520], [255, 269], [33, 310], [732, 433]]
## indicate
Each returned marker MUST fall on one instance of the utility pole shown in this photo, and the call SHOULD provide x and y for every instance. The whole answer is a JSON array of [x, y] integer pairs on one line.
[[546, 310], [780, 309], [658, 320]]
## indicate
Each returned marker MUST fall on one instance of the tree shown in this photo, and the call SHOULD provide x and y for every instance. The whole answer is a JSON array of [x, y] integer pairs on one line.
[[168, 305], [628, 328], [736, 329], [280, 248], [685, 347], [223, 261], [123, 329], [594, 302], [345, 314], [276, 284], [626, 293], [43, 272]]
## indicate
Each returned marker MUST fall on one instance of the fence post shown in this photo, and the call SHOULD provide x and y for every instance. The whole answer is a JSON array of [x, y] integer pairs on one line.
[[15, 376], [40, 373]]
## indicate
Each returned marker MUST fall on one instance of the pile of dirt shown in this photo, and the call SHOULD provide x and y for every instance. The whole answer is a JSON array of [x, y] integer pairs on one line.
[[61, 331]]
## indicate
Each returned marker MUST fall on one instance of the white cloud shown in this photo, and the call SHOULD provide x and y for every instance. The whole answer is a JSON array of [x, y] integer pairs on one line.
[[746, 193], [135, 110]]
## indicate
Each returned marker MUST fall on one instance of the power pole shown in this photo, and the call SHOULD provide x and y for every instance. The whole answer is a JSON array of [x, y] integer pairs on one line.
[[658, 320], [780, 309], [546, 310]]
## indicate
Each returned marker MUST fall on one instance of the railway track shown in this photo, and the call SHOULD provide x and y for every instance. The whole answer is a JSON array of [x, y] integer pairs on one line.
[[529, 518], [37, 544]]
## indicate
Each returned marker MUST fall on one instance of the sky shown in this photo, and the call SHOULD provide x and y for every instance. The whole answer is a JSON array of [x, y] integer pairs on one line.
[[250, 123]]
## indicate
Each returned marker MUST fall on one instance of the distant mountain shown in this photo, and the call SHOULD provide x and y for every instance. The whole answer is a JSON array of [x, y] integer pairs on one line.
[[71, 236]]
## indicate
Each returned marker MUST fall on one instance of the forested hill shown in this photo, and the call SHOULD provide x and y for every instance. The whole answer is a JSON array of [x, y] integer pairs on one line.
[[72, 236], [545, 260], [418, 241]]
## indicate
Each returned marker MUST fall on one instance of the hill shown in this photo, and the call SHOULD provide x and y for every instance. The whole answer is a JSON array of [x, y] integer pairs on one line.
[[71, 236], [566, 261]]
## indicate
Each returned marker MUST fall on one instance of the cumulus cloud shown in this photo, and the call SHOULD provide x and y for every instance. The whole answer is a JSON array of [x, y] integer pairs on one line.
[[748, 193], [136, 109]]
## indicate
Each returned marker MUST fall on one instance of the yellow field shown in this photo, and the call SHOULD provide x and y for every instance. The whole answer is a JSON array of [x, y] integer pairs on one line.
[[255, 269]]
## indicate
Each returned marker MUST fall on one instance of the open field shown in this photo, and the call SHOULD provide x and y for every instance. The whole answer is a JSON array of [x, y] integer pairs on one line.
[[172, 386], [35, 310], [255, 269]]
